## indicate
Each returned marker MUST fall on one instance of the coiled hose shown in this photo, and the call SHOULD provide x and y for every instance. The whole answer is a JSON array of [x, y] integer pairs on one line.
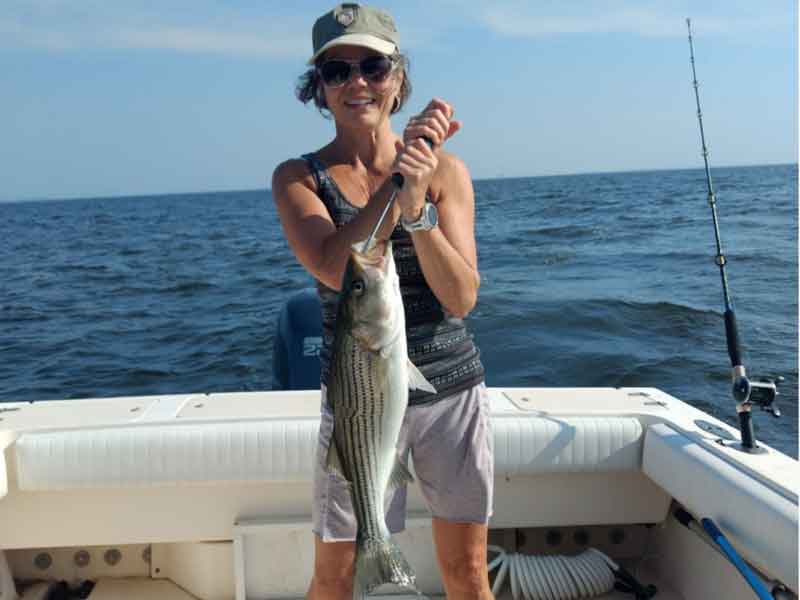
[[586, 575]]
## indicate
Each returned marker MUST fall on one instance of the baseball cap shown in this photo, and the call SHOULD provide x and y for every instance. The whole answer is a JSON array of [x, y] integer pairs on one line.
[[355, 25]]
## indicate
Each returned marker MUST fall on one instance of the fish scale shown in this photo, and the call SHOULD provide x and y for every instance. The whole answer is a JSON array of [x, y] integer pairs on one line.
[[361, 404]]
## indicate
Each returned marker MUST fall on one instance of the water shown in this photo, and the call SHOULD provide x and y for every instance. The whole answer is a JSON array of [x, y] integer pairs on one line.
[[587, 280]]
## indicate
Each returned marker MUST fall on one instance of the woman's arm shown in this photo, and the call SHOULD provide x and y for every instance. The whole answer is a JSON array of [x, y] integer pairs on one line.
[[447, 253], [318, 245]]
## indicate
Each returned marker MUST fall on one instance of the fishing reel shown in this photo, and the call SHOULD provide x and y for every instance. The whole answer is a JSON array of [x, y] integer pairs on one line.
[[760, 392]]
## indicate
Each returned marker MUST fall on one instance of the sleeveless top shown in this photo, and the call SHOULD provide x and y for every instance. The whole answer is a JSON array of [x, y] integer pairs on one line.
[[439, 344]]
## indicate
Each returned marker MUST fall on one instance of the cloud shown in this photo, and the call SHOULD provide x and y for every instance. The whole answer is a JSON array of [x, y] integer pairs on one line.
[[209, 41], [14, 34], [57, 25], [281, 30], [652, 19]]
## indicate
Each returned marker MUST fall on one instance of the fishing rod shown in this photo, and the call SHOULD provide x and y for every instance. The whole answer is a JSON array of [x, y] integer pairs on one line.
[[397, 183], [746, 392]]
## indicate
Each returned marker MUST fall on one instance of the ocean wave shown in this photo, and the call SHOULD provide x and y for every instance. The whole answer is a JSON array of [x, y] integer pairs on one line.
[[562, 232], [188, 287], [642, 311], [131, 251], [14, 313], [85, 268], [662, 322]]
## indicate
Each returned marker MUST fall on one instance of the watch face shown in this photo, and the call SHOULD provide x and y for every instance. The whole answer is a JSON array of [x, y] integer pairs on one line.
[[432, 215]]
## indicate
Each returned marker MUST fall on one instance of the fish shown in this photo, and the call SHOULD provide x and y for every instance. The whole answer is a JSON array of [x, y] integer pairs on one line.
[[367, 391]]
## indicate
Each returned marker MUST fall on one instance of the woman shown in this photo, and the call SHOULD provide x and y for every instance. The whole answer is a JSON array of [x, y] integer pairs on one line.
[[330, 200]]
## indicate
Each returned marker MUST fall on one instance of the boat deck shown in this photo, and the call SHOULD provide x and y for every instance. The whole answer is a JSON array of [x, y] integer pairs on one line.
[[134, 588]]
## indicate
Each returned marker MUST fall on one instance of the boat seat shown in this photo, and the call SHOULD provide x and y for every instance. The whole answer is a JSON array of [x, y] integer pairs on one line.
[[545, 444], [282, 449]]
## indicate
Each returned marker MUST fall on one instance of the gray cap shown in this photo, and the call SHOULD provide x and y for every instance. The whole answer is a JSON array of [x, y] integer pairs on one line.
[[354, 25]]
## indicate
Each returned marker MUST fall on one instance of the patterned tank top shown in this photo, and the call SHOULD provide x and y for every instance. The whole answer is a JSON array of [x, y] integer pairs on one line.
[[439, 344]]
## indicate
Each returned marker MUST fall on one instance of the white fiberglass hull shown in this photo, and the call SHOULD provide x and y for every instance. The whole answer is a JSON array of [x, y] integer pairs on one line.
[[212, 493]]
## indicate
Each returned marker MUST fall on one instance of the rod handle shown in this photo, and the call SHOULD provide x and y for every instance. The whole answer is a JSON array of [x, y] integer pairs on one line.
[[747, 430], [397, 179], [732, 337]]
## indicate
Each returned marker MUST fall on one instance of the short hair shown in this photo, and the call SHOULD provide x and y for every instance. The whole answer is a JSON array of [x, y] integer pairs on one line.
[[310, 87]]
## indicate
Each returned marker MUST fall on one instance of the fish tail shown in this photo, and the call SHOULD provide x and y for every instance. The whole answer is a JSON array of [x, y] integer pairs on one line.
[[380, 561]]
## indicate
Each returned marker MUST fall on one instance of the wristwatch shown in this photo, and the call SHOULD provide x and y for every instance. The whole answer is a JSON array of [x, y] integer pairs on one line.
[[427, 220]]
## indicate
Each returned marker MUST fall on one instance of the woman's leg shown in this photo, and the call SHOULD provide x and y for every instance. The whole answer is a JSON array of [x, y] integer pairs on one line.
[[333, 518], [461, 552], [453, 460], [333, 570]]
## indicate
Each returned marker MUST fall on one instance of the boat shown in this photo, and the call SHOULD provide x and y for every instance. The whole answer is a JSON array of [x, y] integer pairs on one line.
[[207, 496]]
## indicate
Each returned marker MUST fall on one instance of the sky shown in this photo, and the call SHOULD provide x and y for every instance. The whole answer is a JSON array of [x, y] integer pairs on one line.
[[135, 97]]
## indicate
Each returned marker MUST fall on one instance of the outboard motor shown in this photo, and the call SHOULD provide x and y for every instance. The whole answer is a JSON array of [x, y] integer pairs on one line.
[[298, 340]]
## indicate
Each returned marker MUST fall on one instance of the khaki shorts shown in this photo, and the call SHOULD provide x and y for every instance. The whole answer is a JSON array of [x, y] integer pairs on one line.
[[450, 442]]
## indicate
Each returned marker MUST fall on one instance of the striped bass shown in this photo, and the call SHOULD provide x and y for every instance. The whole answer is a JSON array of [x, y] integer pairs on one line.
[[368, 394]]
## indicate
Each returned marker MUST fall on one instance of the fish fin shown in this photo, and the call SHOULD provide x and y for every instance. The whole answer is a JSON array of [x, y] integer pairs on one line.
[[400, 475], [333, 462], [380, 561], [417, 381]]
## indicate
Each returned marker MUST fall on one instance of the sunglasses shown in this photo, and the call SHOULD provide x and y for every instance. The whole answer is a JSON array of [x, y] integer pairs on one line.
[[337, 72]]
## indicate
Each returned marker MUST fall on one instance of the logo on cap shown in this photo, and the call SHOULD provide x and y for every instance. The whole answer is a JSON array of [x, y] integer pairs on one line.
[[346, 17]]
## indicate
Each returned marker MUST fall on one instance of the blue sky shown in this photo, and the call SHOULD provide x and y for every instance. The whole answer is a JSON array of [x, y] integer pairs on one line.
[[136, 97]]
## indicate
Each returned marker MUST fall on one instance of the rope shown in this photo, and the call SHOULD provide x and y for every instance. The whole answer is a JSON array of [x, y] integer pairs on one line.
[[557, 577]]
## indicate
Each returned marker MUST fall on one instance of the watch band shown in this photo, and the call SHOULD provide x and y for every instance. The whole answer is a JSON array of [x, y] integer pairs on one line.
[[427, 220]]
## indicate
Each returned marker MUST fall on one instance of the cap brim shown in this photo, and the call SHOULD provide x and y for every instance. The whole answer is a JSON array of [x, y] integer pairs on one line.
[[357, 39]]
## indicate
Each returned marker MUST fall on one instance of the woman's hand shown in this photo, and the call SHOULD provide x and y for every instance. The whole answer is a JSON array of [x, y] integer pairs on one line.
[[435, 122], [416, 161]]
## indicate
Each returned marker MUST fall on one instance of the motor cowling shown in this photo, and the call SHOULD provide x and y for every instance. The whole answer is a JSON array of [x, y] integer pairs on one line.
[[297, 343]]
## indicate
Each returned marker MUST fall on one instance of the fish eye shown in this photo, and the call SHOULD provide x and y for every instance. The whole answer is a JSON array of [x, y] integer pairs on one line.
[[358, 287]]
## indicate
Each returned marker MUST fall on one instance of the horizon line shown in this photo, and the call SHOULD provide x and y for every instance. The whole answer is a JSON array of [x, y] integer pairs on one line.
[[475, 180]]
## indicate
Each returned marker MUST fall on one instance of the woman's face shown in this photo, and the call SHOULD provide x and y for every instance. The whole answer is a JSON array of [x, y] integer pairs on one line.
[[360, 102]]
